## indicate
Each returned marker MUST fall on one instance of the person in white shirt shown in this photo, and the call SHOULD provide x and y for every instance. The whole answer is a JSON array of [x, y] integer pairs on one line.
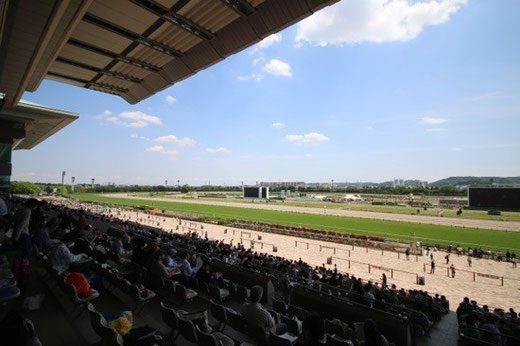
[[256, 315], [185, 265], [61, 257]]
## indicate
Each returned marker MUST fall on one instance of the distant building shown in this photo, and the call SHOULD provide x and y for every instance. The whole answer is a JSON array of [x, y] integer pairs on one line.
[[283, 183]]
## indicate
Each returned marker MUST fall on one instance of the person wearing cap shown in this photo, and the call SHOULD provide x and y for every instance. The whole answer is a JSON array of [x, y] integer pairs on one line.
[[256, 315]]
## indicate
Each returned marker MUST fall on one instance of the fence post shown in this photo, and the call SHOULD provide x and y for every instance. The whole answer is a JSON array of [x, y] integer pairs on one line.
[[398, 255], [474, 276], [424, 267], [348, 264], [416, 258], [366, 248], [352, 246], [320, 248], [369, 269], [382, 252], [502, 279], [392, 273], [307, 246], [334, 251], [447, 271], [296, 243]]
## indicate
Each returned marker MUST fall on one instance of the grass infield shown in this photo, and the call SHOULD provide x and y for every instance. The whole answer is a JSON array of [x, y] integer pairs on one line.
[[431, 234]]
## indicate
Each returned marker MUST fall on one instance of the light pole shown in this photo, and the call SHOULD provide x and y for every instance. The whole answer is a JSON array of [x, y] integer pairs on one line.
[[166, 183], [62, 182], [93, 180], [73, 179]]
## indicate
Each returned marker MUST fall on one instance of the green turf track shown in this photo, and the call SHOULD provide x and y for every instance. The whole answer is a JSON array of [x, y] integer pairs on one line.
[[433, 234]]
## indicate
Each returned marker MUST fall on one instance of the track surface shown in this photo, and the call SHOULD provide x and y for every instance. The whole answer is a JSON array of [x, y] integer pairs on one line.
[[432, 220]]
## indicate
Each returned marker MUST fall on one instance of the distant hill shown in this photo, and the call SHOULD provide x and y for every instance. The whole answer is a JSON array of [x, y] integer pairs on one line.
[[464, 181]]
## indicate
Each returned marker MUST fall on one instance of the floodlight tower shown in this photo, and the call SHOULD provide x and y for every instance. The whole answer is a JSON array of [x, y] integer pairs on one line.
[[62, 181], [93, 180], [73, 179], [166, 183]]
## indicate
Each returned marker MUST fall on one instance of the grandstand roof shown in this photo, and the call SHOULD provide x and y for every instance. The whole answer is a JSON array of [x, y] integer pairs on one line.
[[130, 48], [30, 123]]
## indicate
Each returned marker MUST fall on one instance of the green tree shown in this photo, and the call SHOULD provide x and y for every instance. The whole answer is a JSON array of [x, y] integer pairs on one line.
[[25, 188], [185, 188]]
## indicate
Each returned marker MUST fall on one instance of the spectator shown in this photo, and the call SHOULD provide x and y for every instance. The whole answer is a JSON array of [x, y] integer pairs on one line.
[[372, 335], [313, 331], [158, 268], [22, 219], [61, 257], [256, 315], [185, 265]]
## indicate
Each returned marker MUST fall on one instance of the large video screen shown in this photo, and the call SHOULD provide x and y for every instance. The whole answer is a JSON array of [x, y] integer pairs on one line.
[[251, 192], [494, 197]]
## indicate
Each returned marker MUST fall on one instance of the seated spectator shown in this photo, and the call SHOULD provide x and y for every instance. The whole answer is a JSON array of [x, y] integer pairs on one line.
[[470, 328], [372, 335], [185, 265], [490, 331], [158, 268], [41, 237], [61, 257], [313, 331], [256, 315], [82, 243]]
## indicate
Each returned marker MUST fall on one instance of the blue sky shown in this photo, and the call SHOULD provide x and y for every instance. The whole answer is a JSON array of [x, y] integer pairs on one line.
[[362, 91]]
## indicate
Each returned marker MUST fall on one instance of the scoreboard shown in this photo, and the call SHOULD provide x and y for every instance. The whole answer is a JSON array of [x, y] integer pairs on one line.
[[506, 198], [255, 192]]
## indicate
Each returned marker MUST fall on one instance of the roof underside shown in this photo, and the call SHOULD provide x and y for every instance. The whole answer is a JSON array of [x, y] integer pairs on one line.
[[135, 48]]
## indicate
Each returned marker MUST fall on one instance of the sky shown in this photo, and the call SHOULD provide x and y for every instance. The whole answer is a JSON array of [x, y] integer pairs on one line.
[[364, 90]]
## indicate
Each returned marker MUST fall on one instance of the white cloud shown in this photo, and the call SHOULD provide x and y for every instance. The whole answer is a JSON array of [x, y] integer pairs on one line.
[[257, 77], [370, 128], [136, 136], [488, 96], [278, 125], [174, 139], [129, 119], [218, 150], [267, 42], [170, 99], [258, 60], [437, 129], [456, 149], [430, 120], [278, 68], [354, 21], [140, 116], [103, 115], [160, 149], [307, 138]]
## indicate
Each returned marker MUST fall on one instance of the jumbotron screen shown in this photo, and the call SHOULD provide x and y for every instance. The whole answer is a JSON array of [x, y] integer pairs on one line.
[[252, 192], [494, 197]]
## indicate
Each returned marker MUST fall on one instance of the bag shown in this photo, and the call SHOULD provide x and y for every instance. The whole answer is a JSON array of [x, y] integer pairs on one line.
[[21, 272], [143, 336], [79, 281]]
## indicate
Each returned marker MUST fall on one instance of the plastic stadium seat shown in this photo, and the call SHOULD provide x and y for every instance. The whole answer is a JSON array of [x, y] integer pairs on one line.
[[205, 339], [218, 293], [219, 312], [282, 340], [170, 318], [236, 321], [183, 294], [187, 329], [279, 306]]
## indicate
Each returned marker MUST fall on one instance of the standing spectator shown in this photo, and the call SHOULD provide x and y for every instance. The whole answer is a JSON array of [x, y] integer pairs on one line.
[[384, 280], [447, 258], [469, 261], [452, 268], [432, 270], [22, 219], [407, 252]]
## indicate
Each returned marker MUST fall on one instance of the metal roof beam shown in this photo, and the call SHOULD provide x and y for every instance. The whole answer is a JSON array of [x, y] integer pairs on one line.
[[132, 36], [115, 56], [114, 74], [242, 7], [174, 18], [88, 83]]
